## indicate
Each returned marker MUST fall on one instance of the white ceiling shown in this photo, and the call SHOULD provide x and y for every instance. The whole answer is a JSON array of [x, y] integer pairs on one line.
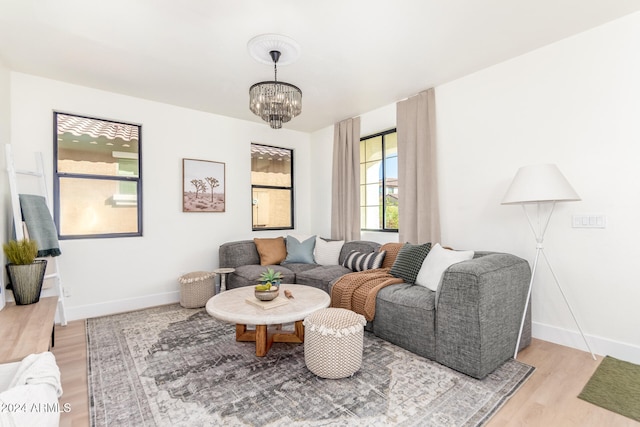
[[356, 55]]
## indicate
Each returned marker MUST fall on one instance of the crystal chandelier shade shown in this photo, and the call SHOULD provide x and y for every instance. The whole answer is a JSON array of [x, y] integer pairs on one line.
[[273, 101]]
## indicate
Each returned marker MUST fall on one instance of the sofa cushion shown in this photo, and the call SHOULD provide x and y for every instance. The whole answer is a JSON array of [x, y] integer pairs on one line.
[[299, 268], [300, 251], [409, 261], [435, 264], [235, 254], [248, 275], [272, 251], [327, 252], [321, 276], [358, 261], [405, 316]]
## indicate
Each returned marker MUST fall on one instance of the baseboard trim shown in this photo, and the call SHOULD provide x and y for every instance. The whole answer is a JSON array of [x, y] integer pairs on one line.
[[600, 346], [120, 306]]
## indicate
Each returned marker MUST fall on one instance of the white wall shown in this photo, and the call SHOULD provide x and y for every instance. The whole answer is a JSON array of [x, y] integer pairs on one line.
[[108, 275], [5, 134], [322, 155], [575, 103]]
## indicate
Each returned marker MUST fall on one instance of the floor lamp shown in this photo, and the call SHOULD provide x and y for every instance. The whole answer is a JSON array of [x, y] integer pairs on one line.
[[541, 185]]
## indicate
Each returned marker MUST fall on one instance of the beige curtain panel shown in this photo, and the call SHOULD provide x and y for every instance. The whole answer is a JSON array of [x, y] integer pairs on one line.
[[419, 217], [345, 183]]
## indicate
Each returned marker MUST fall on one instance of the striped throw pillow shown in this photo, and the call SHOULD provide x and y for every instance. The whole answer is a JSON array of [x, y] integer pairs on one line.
[[359, 261]]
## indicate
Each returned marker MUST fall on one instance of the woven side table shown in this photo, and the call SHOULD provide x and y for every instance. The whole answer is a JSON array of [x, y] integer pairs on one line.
[[196, 288], [333, 342]]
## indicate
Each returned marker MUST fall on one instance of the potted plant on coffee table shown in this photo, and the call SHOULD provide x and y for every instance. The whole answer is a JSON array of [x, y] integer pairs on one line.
[[26, 273], [271, 276], [270, 285]]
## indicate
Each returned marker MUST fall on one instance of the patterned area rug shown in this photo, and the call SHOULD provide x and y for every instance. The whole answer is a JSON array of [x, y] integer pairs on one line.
[[170, 366]]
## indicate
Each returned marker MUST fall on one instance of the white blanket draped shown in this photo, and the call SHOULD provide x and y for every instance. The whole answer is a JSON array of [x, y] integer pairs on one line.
[[32, 396]]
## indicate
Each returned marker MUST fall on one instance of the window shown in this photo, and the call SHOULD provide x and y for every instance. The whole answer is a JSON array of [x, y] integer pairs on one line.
[[271, 187], [379, 182], [97, 181]]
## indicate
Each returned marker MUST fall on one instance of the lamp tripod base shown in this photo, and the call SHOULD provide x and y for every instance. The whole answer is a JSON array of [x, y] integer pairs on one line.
[[540, 250]]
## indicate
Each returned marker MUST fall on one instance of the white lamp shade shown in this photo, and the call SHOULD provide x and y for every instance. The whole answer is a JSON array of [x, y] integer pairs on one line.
[[539, 183]]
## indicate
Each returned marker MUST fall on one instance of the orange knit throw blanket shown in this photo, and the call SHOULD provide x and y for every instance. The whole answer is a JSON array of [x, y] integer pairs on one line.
[[357, 291]]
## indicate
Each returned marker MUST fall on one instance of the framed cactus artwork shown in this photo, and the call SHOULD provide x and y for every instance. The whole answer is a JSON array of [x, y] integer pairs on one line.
[[203, 186]]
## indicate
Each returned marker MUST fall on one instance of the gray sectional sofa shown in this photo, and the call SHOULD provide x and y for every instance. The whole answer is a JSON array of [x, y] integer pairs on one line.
[[243, 256], [471, 324]]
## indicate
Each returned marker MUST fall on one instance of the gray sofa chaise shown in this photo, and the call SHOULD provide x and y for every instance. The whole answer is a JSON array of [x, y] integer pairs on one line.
[[471, 324]]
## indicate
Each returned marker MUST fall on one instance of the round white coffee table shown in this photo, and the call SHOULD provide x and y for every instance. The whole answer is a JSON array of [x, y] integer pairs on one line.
[[233, 306]]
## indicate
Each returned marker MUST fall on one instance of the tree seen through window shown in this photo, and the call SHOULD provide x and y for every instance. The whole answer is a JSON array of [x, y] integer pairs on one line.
[[379, 182]]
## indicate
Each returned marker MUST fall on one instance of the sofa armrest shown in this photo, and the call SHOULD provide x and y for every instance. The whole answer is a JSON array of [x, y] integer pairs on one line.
[[235, 254], [479, 310]]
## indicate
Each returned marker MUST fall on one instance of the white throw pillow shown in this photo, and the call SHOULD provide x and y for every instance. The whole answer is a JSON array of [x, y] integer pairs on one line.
[[435, 264], [327, 253]]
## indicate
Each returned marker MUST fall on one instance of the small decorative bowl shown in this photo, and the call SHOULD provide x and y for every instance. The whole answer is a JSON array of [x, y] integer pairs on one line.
[[267, 295]]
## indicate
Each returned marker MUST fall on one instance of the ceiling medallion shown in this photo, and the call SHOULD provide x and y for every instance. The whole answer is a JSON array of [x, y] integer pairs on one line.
[[273, 101]]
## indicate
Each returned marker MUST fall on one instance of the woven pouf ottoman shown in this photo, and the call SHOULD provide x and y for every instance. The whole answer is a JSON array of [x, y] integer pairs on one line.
[[333, 342], [196, 288]]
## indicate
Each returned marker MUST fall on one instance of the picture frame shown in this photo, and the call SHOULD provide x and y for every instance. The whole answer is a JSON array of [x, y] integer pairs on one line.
[[203, 186]]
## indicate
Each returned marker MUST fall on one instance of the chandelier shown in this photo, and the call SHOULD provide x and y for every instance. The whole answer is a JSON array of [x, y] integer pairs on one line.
[[273, 101]]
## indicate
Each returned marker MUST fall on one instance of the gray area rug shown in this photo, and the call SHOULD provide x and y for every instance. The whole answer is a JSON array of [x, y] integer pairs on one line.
[[170, 366]]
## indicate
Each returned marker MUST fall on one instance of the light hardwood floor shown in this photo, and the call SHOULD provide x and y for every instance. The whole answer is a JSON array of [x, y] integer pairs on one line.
[[548, 398], [71, 355]]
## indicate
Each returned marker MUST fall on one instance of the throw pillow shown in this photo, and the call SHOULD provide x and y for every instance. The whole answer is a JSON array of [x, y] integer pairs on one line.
[[435, 264], [360, 261], [392, 250], [271, 251], [302, 237], [300, 252], [409, 261], [328, 252]]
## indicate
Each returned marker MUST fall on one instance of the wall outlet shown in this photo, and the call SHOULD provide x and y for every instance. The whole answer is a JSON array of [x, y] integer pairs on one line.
[[66, 292], [589, 221]]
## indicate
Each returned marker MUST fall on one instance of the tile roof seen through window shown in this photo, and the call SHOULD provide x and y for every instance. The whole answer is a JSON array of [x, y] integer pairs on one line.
[[96, 128], [265, 151]]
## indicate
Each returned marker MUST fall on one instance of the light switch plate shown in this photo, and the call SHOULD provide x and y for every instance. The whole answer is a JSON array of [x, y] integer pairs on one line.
[[589, 221]]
